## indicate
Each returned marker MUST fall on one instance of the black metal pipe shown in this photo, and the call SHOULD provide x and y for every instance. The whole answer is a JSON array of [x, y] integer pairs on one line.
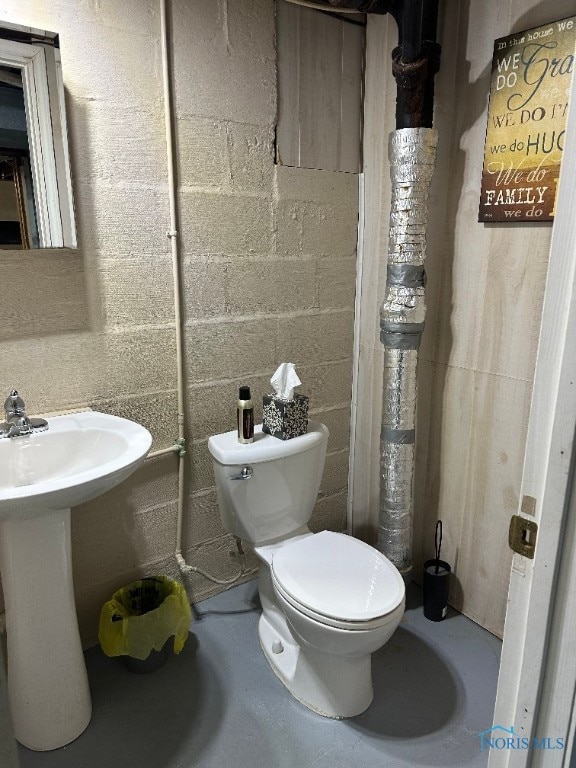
[[430, 32], [430, 20], [411, 30], [415, 61], [364, 6]]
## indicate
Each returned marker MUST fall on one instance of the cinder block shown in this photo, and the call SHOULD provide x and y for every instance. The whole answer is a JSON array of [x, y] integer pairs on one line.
[[336, 282], [329, 230], [251, 28], [53, 372], [202, 153], [329, 187], [212, 406], [27, 14], [129, 294], [119, 14], [204, 288], [199, 468], [288, 227], [115, 144], [251, 158], [214, 557], [330, 514], [271, 286], [76, 369], [217, 350], [121, 67], [335, 476], [313, 338], [338, 422], [153, 484], [225, 224], [115, 541], [137, 361], [202, 518], [316, 212], [156, 411], [230, 51], [327, 384], [54, 299], [120, 221]]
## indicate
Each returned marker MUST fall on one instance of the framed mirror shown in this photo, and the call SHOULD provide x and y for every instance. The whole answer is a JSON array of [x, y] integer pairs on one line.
[[36, 206]]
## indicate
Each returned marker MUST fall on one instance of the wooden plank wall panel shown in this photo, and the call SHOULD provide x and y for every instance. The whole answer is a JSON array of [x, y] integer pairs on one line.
[[465, 439], [287, 138], [485, 291], [320, 63], [499, 421], [351, 98], [512, 262], [320, 87], [382, 35]]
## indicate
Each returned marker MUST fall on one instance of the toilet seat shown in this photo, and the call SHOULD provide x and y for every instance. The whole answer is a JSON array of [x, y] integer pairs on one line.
[[351, 626], [338, 581]]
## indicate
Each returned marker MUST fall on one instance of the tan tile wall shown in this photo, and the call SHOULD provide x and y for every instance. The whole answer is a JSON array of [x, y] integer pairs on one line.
[[268, 268]]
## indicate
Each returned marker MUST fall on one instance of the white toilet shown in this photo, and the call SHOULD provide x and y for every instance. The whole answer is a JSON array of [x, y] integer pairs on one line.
[[329, 600]]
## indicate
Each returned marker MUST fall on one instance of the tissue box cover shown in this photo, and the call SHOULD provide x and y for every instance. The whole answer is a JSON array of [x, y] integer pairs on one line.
[[285, 418]]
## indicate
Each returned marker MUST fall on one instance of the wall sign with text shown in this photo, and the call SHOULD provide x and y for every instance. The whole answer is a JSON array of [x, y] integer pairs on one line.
[[529, 96]]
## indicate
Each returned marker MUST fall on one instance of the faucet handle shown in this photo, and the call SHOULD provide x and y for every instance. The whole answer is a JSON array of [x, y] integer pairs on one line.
[[14, 404]]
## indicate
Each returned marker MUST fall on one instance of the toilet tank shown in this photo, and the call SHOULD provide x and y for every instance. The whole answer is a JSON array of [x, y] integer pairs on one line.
[[275, 494]]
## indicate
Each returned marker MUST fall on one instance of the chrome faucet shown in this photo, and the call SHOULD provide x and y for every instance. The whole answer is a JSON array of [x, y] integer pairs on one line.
[[17, 423]]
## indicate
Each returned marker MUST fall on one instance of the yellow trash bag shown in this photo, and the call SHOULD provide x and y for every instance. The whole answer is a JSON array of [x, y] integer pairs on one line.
[[141, 617]]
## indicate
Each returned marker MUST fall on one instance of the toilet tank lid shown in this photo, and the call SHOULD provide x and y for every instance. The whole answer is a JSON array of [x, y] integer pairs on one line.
[[226, 449], [339, 576]]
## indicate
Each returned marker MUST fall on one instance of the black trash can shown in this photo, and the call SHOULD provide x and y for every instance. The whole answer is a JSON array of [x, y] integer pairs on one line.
[[142, 620]]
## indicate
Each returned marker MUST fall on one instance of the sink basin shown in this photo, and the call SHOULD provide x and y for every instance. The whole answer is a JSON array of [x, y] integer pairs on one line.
[[80, 456], [42, 476]]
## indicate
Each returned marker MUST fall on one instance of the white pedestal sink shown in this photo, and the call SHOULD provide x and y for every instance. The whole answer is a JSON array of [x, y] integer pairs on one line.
[[41, 476]]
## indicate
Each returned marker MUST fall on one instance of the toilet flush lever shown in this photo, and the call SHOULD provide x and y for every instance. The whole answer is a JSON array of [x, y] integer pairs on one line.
[[245, 474]]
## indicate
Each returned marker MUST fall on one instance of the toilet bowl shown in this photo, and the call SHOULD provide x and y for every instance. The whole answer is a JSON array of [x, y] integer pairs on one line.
[[328, 600]]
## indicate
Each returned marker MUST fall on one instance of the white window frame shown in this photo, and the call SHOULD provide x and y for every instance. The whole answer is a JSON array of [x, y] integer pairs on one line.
[[47, 136]]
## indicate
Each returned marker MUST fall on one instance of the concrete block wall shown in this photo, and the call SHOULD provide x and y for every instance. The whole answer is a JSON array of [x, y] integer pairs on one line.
[[268, 269]]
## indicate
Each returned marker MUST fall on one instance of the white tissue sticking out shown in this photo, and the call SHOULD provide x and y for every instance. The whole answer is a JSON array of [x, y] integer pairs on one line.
[[284, 380]]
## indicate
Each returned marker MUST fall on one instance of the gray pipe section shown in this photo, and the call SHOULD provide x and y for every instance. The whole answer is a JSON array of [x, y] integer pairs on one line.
[[412, 154]]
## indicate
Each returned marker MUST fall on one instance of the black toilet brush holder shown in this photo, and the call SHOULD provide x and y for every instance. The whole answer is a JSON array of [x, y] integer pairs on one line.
[[436, 582]]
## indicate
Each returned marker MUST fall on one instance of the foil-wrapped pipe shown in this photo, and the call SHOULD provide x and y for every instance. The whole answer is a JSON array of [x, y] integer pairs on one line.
[[412, 153], [399, 398]]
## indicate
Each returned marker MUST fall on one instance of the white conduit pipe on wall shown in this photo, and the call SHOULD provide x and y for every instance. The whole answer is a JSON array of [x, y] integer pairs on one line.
[[179, 447], [412, 153]]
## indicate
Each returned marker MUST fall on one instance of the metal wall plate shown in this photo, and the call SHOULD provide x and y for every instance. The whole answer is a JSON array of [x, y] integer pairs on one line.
[[522, 536]]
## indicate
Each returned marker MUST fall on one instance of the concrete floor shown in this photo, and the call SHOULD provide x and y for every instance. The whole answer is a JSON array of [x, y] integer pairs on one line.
[[218, 704]]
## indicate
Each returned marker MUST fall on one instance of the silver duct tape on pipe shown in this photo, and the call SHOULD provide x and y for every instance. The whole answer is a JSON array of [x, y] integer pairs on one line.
[[412, 153]]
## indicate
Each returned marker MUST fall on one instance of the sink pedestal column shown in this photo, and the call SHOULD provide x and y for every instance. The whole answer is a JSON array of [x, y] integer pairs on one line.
[[47, 681]]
